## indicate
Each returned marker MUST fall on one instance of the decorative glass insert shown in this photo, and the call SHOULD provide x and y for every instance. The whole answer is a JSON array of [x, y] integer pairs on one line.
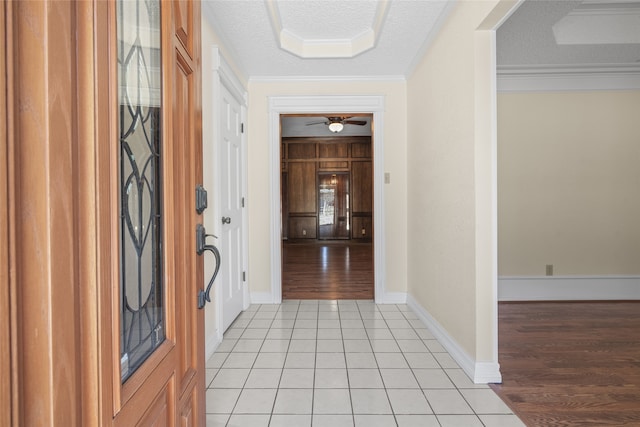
[[327, 204], [140, 182]]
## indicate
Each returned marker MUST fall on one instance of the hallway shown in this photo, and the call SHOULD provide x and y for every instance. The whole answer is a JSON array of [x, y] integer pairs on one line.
[[341, 363]]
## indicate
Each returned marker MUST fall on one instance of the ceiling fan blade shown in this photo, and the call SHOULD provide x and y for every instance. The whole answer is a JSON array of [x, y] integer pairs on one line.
[[355, 122], [316, 123]]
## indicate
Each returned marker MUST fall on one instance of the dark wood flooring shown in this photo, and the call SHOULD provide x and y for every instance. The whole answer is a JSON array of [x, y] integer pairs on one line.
[[571, 364], [327, 270]]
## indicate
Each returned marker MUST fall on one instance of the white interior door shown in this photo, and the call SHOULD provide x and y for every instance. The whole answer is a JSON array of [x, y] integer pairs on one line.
[[231, 208]]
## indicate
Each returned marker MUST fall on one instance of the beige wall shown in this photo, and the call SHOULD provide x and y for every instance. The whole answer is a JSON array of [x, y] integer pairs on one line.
[[450, 243], [394, 162], [569, 183]]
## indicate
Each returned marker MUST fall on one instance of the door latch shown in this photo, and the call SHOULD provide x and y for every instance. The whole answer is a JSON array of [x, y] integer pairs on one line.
[[201, 199]]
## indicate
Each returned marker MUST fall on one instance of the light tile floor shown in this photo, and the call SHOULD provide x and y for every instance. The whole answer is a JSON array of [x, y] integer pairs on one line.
[[341, 363]]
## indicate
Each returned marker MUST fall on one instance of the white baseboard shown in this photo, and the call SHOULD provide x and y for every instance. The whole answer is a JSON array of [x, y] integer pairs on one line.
[[487, 372], [211, 344], [261, 297], [392, 298], [479, 372], [568, 288]]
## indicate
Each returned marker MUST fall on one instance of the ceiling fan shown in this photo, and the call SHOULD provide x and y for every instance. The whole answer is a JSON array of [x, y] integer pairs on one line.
[[336, 124]]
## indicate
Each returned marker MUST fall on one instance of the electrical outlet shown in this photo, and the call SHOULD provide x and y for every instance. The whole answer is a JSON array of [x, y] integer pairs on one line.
[[387, 178], [549, 270], [363, 231], [304, 232]]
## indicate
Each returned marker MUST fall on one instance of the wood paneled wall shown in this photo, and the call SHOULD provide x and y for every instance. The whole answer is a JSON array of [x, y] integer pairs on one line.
[[302, 160]]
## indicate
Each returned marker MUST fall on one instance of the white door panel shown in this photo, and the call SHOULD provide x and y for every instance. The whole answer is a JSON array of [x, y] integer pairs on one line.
[[231, 208]]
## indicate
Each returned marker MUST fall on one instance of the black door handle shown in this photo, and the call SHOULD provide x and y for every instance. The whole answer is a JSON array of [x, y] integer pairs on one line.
[[201, 247]]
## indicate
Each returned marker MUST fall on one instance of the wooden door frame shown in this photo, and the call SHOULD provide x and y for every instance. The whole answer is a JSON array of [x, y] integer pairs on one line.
[[41, 158], [7, 359], [356, 104]]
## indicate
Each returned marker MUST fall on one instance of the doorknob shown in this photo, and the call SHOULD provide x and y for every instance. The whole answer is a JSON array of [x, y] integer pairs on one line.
[[226, 220]]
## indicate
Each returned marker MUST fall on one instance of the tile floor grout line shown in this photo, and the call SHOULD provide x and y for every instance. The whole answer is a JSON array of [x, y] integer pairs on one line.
[[281, 370], [346, 367], [229, 355], [383, 382], [315, 361], [410, 367], [353, 415]]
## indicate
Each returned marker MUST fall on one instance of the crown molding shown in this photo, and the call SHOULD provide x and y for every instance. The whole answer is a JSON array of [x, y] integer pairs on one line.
[[579, 77], [302, 47], [332, 79], [212, 20]]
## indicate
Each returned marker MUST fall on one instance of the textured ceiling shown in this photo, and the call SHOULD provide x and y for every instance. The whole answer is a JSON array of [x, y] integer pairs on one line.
[[247, 29], [296, 38], [342, 39], [527, 37], [324, 20]]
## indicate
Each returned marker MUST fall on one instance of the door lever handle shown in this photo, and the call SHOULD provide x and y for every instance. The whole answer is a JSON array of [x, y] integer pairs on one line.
[[226, 220], [204, 296]]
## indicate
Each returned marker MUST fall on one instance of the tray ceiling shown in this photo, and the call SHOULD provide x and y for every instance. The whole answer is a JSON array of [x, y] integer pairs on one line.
[[306, 39], [310, 38]]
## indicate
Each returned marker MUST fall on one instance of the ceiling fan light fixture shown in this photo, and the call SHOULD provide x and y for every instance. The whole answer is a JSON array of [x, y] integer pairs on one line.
[[336, 127]]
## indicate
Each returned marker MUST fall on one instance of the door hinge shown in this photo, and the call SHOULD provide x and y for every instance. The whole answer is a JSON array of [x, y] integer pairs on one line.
[[242, 202], [244, 276], [241, 127]]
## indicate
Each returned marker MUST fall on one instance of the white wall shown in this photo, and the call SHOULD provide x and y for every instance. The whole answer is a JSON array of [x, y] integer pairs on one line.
[[259, 171]]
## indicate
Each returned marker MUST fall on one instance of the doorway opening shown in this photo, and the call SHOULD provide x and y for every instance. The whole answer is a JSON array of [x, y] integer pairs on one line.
[[319, 105], [326, 196]]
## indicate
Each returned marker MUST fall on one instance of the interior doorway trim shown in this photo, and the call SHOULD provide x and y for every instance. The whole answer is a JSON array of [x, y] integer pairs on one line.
[[373, 104]]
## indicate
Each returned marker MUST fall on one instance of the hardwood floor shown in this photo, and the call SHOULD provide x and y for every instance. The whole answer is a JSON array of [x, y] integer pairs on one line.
[[327, 270], [571, 364]]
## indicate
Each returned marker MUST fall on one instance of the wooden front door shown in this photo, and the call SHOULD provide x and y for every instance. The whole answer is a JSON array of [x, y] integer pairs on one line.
[[159, 163], [101, 110]]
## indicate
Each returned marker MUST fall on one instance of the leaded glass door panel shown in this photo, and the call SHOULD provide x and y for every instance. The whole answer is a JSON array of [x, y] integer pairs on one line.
[[158, 375]]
